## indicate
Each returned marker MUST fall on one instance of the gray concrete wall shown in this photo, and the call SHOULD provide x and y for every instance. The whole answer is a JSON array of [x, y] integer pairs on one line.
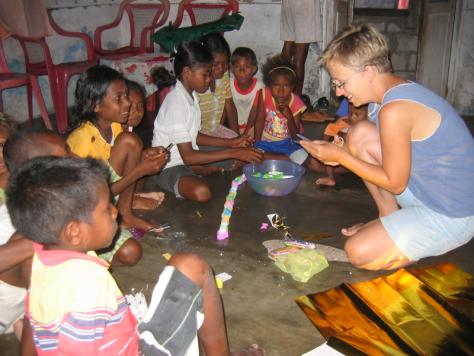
[[260, 31], [401, 32]]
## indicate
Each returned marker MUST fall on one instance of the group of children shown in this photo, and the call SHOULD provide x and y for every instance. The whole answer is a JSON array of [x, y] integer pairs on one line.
[[64, 197]]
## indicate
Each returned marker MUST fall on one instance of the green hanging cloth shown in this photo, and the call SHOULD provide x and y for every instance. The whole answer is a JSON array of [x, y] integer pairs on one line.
[[169, 37]]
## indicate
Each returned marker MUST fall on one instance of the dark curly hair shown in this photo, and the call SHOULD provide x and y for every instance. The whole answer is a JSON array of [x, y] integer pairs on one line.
[[90, 90], [277, 65]]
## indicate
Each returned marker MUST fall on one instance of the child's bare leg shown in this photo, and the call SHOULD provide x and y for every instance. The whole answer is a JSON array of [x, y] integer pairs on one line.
[[314, 165], [194, 188], [125, 156], [363, 141], [301, 52], [27, 345], [212, 334], [328, 179], [128, 254]]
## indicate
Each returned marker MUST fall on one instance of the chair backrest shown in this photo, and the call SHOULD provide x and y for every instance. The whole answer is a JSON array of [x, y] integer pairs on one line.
[[34, 51], [3, 60], [145, 17], [201, 11]]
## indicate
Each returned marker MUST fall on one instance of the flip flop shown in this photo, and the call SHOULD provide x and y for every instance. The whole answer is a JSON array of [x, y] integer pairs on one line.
[[138, 233]]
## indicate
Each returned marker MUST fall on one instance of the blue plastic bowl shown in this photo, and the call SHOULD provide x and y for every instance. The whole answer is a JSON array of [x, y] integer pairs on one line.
[[274, 187]]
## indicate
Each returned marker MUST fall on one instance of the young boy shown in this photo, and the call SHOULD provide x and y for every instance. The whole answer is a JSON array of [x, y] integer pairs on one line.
[[27, 144], [245, 87], [74, 305], [336, 132]]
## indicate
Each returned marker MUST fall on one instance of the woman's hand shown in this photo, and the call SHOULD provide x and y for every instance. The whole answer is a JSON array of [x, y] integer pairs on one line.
[[241, 141], [326, 152]]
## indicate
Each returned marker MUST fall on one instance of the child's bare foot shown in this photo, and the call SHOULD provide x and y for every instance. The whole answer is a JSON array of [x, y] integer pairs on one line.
[[253, 350], [134, 221], [147, 201], [326, 181], [349, 231]]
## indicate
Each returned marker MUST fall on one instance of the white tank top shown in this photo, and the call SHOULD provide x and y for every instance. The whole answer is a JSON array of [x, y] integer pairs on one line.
[[243, 99]]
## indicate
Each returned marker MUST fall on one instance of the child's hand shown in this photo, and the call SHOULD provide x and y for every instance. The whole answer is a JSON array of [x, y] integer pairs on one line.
[[250, 154], [155, 152], [241, 141], [153, 160], [285, 110]]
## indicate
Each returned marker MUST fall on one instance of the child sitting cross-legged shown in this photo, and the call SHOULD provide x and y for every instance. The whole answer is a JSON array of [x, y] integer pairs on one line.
[[74, 306], [279, 114], [179, 122], [137, 97], [102, 106], [245, 87]]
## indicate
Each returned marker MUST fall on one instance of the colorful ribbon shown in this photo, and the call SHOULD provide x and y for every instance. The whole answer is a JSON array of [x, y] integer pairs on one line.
[[223, 232]]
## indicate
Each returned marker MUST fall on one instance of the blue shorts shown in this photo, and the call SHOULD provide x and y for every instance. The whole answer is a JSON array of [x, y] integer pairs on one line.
[[286, 147], [420, 232]]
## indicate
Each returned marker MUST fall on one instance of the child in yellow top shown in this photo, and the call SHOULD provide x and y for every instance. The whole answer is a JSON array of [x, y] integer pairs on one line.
[[102, 106]]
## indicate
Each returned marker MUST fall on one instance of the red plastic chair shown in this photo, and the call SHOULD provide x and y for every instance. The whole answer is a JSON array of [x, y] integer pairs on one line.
[[201, 12], [9, 80], [144, 20], [38, 62]]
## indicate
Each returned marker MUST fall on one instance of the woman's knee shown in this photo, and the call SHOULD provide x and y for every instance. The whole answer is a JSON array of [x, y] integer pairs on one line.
[[363, 140], [357, 252], [129, 254], [360, 133]]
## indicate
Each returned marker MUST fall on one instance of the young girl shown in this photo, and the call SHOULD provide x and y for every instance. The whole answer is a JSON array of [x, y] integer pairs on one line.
[[136, 95], [279, 113], [178, 123], [102, 106], [245, 87], [217, 106]]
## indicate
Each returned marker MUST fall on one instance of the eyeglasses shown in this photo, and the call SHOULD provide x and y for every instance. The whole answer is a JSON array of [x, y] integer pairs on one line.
[[340, 85]]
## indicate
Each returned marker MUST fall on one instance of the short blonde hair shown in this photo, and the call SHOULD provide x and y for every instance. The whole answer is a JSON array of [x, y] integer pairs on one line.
[[357, 46]]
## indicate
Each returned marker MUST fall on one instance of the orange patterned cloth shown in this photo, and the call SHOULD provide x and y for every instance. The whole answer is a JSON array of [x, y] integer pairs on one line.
[[336, 127]]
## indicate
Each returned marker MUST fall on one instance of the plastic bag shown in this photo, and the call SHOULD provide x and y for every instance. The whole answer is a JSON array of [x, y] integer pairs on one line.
[[169, 37], [302, 265]]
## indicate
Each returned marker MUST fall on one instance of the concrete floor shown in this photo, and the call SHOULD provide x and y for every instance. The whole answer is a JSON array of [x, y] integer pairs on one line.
[[259, 299]]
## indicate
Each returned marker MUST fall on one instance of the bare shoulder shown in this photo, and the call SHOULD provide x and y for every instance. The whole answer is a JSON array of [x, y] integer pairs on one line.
[[420, 120]]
